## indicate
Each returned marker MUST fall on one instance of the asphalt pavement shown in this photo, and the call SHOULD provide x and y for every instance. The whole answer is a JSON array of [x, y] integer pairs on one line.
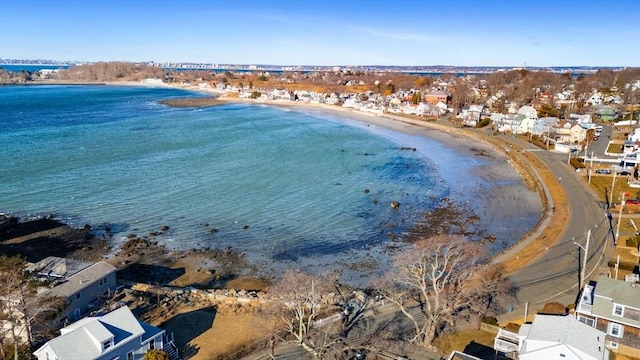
[[554, 276]]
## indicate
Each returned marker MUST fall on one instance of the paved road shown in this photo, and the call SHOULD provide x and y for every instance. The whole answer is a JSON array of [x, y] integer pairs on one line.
[[554, 275]]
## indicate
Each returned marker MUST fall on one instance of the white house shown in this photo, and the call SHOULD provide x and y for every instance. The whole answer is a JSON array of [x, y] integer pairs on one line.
[[580, 118], [116, 335], [555, 337], [528, 111], [595, 99]]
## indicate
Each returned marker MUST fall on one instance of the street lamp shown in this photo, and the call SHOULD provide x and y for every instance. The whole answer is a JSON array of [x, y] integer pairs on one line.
[[584, 258]]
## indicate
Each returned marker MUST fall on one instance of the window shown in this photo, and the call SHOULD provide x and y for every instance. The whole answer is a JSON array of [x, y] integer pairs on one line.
[[106, 345], [613, 344], [130, 355], [78, 296], [615, 330], [152, 344], [618, 310], [587, 321]]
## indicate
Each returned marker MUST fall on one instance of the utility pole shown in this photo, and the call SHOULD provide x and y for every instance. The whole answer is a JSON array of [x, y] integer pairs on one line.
[[585, 256], [622, 196], [613, 184]]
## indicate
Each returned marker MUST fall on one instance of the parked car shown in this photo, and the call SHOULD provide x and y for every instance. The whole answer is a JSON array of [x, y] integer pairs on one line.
[[624, 173], [603, 171], [632, 201]]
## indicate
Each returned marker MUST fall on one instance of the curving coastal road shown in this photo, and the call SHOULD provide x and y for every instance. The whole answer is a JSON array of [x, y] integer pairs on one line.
[[554, 275]]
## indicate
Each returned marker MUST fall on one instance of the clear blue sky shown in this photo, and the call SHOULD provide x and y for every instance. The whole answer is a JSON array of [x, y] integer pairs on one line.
[[314, 32]]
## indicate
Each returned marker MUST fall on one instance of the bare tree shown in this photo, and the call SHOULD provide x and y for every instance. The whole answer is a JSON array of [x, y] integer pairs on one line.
[[22, 312], [320, 328], [438, 280]]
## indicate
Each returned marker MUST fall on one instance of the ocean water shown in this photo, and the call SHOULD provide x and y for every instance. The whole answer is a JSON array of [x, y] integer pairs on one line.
[[276, 183]]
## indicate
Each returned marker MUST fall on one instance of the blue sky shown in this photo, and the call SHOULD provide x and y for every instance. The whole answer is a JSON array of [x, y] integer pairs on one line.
[[409, 32]]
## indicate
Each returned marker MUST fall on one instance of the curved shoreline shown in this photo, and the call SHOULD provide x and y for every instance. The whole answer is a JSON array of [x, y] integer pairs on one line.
[[511, 258], [529, 166]]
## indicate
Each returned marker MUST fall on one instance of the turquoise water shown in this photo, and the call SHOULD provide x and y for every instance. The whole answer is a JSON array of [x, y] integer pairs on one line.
[[282, 184]]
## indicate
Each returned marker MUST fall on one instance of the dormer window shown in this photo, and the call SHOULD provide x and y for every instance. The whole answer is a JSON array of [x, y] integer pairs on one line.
[[106, 345], [618, 310]]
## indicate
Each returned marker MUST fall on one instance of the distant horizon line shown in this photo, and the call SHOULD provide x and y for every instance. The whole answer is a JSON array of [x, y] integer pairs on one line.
[[188, 64]]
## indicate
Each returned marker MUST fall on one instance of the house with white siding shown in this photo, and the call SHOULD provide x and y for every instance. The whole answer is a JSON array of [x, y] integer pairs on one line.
[[116, 335], [528, 111]]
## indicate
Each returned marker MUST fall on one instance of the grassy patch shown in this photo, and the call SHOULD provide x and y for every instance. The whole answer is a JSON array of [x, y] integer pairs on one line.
[[614, 148], [459, 340], [602, 186]]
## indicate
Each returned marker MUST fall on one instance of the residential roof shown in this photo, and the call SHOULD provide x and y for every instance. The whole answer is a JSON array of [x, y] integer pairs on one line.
[[81, 279], [57, 266], [437, 93], [83, 339], [565, 332], [609, 291]]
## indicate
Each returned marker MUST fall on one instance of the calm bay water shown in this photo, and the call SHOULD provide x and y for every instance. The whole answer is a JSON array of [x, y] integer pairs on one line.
[[269, 181]]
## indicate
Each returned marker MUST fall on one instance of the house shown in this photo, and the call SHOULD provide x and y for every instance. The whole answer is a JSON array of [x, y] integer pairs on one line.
[[471, 115], [581, 118], [543, 126], [116, 335], [562, 338], [605, 113], [568, 133], [595, 99], [528, 111], [434, 97], [578, 133], [613, 306], [521, 124], [83, 288], [562, 132]]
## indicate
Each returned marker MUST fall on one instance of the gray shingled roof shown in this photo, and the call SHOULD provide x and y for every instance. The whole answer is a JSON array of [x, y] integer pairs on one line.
[[81, 280], [78, 340], [568, 331], [609, 291]]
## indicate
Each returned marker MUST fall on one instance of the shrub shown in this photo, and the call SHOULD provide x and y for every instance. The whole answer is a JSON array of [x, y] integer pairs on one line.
[[553, 308], [490, 320], [484, 122], [156, 355]]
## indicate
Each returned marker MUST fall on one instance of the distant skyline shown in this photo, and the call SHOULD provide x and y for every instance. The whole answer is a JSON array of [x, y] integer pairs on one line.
[[539, 33]]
